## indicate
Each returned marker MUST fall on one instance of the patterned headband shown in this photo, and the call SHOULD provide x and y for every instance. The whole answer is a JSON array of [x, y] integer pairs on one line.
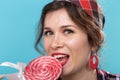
[[92, 8]]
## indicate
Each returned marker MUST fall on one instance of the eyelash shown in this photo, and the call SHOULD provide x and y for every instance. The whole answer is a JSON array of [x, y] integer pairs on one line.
[[46, 33], [69, 31], [66, 31]]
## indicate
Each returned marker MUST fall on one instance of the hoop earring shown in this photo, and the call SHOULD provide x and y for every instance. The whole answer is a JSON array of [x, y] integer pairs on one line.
[[93, 61]]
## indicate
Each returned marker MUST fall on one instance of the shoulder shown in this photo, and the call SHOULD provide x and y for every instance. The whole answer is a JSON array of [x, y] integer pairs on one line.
[[104, 75]]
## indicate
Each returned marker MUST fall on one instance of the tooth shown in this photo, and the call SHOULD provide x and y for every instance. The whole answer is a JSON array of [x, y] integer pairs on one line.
[[59, 56]]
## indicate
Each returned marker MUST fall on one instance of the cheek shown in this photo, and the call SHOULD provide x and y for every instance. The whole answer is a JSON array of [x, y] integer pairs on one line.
[[80, 50], [78, 45], [73, 43], [46, 44]]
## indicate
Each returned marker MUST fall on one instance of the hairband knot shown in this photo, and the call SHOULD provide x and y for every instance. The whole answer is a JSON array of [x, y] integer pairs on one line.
[[92, 8]]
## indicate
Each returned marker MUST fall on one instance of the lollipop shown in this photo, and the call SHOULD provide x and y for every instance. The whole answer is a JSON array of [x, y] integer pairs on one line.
[[43, 68]]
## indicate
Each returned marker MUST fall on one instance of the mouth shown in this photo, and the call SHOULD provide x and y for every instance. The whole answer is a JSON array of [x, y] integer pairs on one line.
[[63, 58]]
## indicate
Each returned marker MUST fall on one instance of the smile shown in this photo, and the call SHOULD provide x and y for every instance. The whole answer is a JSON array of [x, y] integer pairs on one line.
[[63, 58]]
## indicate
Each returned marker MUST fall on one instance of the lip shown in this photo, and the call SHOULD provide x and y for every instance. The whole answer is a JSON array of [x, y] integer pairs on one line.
[[64, 61]]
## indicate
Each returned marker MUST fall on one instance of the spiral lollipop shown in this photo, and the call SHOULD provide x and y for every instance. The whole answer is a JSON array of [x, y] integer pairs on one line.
[[43, 68]]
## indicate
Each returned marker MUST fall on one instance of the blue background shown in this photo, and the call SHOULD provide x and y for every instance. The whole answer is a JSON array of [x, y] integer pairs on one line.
[[18, 24]]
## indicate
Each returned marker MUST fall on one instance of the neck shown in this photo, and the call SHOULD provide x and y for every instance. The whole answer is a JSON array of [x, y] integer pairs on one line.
[[83, 75]]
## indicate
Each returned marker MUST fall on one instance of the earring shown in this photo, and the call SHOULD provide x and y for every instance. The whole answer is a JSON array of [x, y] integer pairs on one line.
[[93, 62]]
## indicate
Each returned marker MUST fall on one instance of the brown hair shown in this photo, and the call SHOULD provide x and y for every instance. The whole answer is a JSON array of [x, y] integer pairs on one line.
[[78, 16]]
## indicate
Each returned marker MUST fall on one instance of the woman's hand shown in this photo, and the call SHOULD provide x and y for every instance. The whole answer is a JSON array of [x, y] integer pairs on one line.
[[1, 77]]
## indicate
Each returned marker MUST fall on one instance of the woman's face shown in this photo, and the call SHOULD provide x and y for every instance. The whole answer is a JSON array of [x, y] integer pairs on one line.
[[64, 40]]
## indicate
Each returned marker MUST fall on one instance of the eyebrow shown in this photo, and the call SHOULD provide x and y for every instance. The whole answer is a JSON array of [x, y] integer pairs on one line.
[[46, 28], [64, 26]]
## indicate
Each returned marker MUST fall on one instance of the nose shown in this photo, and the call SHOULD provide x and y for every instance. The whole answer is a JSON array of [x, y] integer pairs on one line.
[[57, 42]]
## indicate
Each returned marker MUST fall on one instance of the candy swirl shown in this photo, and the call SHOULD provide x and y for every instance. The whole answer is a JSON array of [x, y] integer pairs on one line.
[[43, 68]]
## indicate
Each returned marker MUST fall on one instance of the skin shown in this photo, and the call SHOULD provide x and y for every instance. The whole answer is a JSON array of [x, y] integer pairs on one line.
[[1, 77], [62, 35]]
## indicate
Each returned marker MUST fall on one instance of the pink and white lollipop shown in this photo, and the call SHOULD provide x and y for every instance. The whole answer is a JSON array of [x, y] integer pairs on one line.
[[43, 68]]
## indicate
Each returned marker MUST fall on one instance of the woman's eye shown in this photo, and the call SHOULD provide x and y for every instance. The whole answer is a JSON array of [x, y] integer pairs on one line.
[[47, 33], [68, 31]]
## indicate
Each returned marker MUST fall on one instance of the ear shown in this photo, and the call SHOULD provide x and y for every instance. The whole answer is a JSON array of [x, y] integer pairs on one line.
[[102, 35], [94, 49]]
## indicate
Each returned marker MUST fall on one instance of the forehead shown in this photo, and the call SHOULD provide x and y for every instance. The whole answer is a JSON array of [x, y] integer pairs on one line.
[[58, 18]]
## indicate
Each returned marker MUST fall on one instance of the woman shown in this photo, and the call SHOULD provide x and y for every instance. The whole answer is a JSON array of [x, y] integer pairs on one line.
[[73, 33]]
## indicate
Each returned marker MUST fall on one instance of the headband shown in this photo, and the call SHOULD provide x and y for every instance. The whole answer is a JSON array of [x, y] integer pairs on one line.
[[92, 8]]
